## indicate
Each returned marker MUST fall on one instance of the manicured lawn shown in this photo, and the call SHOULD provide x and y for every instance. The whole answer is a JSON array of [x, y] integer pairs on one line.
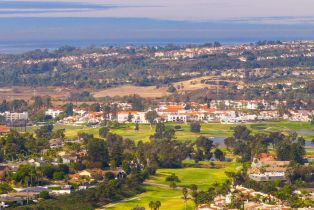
[[202, 177], [145, 131], [211, 129], [170, 200]]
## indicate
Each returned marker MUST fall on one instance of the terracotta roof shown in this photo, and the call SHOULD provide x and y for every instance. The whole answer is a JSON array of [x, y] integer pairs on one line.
[[265, 157], [128, 112], [4, 129]]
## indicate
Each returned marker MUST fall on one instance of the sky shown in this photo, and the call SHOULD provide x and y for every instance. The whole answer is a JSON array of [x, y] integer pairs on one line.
[[101, 21]]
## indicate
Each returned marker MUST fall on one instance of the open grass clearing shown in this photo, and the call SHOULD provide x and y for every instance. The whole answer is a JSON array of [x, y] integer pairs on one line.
[[207, 129], [202, 177]]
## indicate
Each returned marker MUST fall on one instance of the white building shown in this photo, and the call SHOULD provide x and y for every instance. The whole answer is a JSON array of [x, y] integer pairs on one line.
[[53, 113], [268, 176], [136, 117], [13, 116]]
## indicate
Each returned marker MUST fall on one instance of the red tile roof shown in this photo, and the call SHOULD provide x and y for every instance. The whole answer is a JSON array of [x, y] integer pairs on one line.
[[4, 129]]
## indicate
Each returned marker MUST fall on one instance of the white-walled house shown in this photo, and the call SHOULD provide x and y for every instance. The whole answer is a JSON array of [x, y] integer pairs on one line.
[[137, 117], [53, 113]]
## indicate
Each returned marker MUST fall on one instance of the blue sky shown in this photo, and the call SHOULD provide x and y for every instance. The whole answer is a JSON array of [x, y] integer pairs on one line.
[[101, 21]]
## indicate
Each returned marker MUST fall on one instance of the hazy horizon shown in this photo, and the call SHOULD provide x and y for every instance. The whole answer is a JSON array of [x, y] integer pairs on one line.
[[37, 23]]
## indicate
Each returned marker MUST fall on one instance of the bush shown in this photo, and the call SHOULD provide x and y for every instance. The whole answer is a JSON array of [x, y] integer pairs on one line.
[[58, 175], [44, 195], [178, 127], [195, 127], [172, 178], [5, 188]]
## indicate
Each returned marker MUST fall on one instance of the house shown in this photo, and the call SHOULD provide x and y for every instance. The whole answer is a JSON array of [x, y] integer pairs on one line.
[[67, 159], [33, 190], [17, 198], [53, 113], [4, 129], [36, 162], [265, 167], [60, 190], [55, 143], [136, 117], [268, 176], [259, 206], [92, 173]]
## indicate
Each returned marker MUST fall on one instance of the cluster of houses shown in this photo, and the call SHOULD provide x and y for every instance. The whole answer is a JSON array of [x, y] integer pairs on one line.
[[223, 111], [265, 167], [253, 200], [84, 179], [246, 195]]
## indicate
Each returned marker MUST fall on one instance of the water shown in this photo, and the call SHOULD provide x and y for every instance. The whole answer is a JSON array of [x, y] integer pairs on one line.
[[23, 34]]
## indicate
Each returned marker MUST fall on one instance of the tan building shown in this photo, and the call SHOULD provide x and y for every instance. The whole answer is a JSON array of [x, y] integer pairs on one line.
[[262, 206]]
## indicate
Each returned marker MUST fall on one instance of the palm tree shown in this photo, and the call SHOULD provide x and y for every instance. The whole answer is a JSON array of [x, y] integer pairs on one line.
[[193, 188], [185, 196], [151, 205], [173, 185], [157, 204]]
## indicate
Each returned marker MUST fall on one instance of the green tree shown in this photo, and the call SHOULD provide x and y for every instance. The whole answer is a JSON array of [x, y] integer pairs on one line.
[[219, 155], [97, 151], [195, 127], [103, 132], [113, 165], [194, 193], [5, 188], [173, 185], [162, 132], [130, 117], [44, 131], [151, 116], [44, 195], [185, 197], [68, 109]]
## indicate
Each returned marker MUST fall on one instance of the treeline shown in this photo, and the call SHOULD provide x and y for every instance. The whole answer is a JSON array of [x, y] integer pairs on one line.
[[247, 145]]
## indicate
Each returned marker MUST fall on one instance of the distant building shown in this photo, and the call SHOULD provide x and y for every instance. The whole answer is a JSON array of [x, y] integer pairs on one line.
[[136, 117], [14, 116], [268, 176], [259, 206], [53, 113], [265, 167]]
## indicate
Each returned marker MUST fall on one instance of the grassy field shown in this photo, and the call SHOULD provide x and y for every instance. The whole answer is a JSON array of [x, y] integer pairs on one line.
[[172, 199], [202, 177], [210, 129], [215, 130]]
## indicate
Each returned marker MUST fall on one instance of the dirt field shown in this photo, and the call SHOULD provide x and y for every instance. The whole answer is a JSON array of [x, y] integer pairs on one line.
[[60, 94], [26, 93], [195, 84], [146, 92]]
